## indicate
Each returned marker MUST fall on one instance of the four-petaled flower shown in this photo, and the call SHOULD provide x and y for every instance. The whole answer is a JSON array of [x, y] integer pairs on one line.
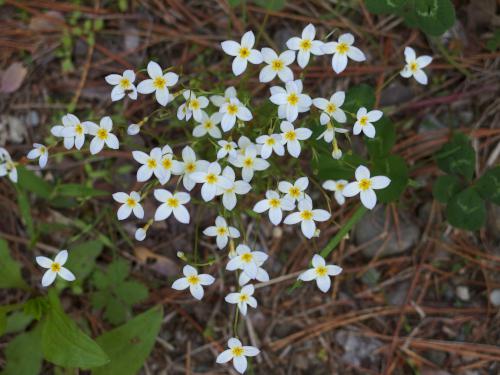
[[337, 187], [239, 187], [296, 191], [211, 180], [54, 268], [7, 166], [291, 137], [270, 143], [227, 149], [320, 272], [232, 110], [237, 353], [246, 260], [331, 108], [193, 281], [290, 100], [243, 298], [102, 135], [307, 216], [364, 122], [172, 203], [222, 232], [343, 49], [123, 84], [41, 152], [275, 204], [414, 66], [306, 45], [208, 125], [158, 83], [276, 65], [130, 203], [193, 107], [72, 130], [151, 164], [190, 165], [365, 186], [249, 162], [242, 52]]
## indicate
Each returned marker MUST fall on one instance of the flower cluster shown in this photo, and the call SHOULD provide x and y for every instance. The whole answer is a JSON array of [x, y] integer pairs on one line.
[[174, 178]]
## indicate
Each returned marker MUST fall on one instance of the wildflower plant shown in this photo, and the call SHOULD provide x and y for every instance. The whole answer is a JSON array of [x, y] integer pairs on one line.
[[293, 164]]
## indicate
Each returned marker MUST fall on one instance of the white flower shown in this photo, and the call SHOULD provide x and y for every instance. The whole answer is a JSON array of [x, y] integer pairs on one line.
[[321, 273], [211, 180], [307, 217], [275, 204], [227, 149], [236, 187], [102, 135], [158, 83], [338, 187], [341, 51], [305, 45], [329, 134], [7, 166], [246, 260], [261, 275], [365, 186], [189, 165], [219, 100], [249, 162], [140, 234], [133, 129], [292, 136], [39, 151], [55, 268], [193, 281], [194, 106], [296, 191], [243, 298], [222, 232], [414, 66], [276, 65], [130, 203], [290, 101], [331, 108], [151, 164], [237, 353], [243, 52], [244, 143], [208, 125], [169, 165], [172, 203], [123, 83], [232, 110], [364, 122], [270, 143], [72, 130]]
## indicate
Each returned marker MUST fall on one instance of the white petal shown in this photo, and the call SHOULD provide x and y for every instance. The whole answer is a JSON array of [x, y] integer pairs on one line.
[[356, 54], [380, 182], [303, 58], [231, 47], [324, 283], [308, 228], [48, 278], [197, 291], [333, 270], [368, 198], [308, 275], [318, 260], [421, 77], [61, 257], [66, 274], [240, 364], [123, 212], [181, 214], [339, 63], [239, 65], [362, 172], [351, 189], [248, 39], [180, 284], [43, 261], [267, 74], [225, 356]]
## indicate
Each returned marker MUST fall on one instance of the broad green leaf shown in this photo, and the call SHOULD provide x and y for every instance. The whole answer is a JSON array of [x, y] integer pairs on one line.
[[131, 291], [457, 157], [445, 187], [10, 276], [17, 321], [466, 210], [25, 209], [489, 185], [64, 344], [82, 258], [330, 168], [384, 139], [434, 17], [359, 96], [394, 167], [129, 345], [29, 181], [23, 354], [79, 191], [36, 307]]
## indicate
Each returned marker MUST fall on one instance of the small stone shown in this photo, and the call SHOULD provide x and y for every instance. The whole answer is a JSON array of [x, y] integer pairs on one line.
[[463, 293], [495, 297]]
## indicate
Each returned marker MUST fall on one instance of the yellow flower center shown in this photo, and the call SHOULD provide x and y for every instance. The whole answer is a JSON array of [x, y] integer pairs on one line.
[[340, 186], [102, 134], [277, 65], [167, 163], [151, 163], [193, 280], [274, 202], [79, 129], [294, 192], [243, 297], [244, 52], [237, 351], [232, 109], [330, 108], [365, 184], [342, 48], [211, 178], [305, 44], [190, 167], [247, 257], [228, 147], [221, 231], [194, 104], [248, 162], [292, 99], [321, 271], [131, 202], [124, 83], [43, 150], [270, 141], [208, 125], [55, 267], [173, 202], [363, 120], [290, 135], [159, 83], [306, 215]]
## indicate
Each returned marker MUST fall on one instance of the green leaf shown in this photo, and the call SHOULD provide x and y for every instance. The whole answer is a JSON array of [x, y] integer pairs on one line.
[[36, 307], [384, 6], [330, 168], [394, 167], [82, 259], [29, 181], [64, 344], [489, 185], [466, 210], [457, 157], [25, 209], [17, 321], [131, 291], [23, 354], [445, 187], [271, 4], [434, 17], [359, 96], [384, 139], [79, 191], [10, 276], [129, 345]]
